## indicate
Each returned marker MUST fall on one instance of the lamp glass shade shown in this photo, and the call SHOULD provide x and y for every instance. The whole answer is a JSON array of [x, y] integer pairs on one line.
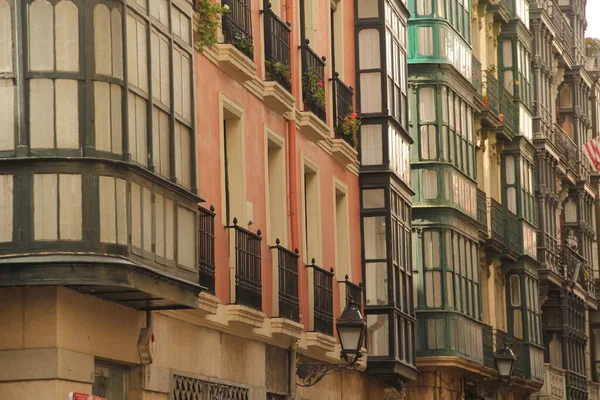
[[505, 367], [350, 337]]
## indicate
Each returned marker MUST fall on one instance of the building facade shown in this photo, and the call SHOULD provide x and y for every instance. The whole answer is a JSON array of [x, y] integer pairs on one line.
[[504, 216], [182, 222]]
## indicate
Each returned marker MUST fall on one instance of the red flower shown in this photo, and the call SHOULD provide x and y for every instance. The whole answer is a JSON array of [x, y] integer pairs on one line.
[[320, 84], [346, 119], [354, 115]]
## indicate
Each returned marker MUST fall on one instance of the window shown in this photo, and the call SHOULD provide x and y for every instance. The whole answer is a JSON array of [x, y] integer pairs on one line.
[[429, 184], [57, 207], [337, 38], [276, 188], [515, 305], [110, 382], [374, 231], [312, 218], [137, 52], [371, 147], [113, 210], [378, 335], [399, 154], [425, 35], [511, 190], [373, 198], [424, 7], [183, 155], [186, 238], [108, 48], [6, 208], [342, 232], [234, 182], [427, 124], [397, 97], [432, 269]]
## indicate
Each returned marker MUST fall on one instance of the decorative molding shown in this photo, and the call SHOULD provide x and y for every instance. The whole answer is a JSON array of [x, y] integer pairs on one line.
[[238, 314], [319, 342], [286, 328], [311, 126], [232, 61], [208, 303], [343, 152]]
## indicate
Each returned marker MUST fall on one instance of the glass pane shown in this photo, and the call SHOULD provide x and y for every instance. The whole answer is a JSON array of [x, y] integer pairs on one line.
[[373, 198], [374, 237], [515, 291], [110, 382], [429, 184], [378, 335], [425, 35], [6, 42], [371, 145], [67, 36], [41, 36], [427, 104], [376, 286]]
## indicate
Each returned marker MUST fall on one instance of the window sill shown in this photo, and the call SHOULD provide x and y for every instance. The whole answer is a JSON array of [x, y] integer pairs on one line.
[[232, 61], [243, 316], [319, 342], [311, 126], [343, 152], [286, 328], [276, 97]]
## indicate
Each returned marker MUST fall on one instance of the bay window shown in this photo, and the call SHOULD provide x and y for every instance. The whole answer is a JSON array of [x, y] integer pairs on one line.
[[427, 124], [524, 312]]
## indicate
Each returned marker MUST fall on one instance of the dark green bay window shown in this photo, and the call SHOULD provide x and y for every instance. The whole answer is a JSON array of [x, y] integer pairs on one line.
[[388, 274], [524, 312], [519, 188], [447, 273]]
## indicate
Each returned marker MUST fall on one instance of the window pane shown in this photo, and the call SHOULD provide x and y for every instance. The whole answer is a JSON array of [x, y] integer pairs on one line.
[[378, 335], [427, 104], [515, 291], [425, 35], [41, 36], [371, 145], [374, 238], [373, 198], [429, 184], [376, 283], [67, 36], [7, 114]]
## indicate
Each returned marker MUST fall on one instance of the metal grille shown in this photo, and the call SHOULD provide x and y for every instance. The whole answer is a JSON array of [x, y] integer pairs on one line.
[[323, 293], [186, 388], [476, 78], [342, 105], [353, 294], [507, 109], [513, 232], [313, 68], [287, 264], [277, 48], [482, 209], [488, 346], [491, 94], [237, 26], [497, 221], [248, 287], [206, 247]]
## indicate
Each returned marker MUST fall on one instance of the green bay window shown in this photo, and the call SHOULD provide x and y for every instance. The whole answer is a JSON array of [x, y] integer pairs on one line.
[[524, 312], [447, 272], [427, 124]]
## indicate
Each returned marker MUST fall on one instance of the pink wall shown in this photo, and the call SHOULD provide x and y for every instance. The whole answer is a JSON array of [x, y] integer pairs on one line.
[[210, 80]]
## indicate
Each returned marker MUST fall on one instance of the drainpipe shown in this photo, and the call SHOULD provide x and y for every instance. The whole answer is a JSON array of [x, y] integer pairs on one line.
[[292, 371]]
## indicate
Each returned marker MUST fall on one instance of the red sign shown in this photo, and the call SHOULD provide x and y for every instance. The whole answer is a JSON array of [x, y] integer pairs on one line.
[[83, 396]]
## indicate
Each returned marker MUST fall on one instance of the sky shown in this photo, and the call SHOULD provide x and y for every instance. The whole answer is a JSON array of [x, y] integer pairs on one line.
[[593, 12]]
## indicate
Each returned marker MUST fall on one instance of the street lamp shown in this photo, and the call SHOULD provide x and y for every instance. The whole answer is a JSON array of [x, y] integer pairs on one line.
[[505, 362], [351, 330]]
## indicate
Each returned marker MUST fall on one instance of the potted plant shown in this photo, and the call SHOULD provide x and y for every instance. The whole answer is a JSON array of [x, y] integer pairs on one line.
[[348, 127], [244, 44], [279, 72], [208, 20], [313, 86]]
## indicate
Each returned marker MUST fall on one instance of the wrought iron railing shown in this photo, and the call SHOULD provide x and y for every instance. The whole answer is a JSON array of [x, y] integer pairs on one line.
[[237, 26], [488, 346], [566, 148], [313, 81], [206, 248], [576, 385], [353, 293], [277, 48], [342, 104], [476, 78], [507, 111], [248, 280], [575, 268], [491, 99], [287, 267], [564, 32], [482, 209], [497, 214], [323, 299], [513, 233]]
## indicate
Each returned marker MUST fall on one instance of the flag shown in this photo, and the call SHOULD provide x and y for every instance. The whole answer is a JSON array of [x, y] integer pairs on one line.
[[592, 151]]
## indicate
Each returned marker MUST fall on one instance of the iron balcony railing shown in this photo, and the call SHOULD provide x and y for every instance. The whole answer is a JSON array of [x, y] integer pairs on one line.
[[566, 148], [342, 104], [277, 48], [323, 299], [476, 78], [513, 232], [237, 26], [491, 100], [482, 209], [206, 248], [507, 111], [488, 346], [248, 280], [287, 267], [575, 268], [353, 294], [313, 81], [497, 213], [564, 32]]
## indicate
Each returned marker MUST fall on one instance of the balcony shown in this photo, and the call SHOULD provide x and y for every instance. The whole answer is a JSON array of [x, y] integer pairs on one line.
[[322, 294], [575, 268], [313, 81], [507, 114], [482, 211], [288, 303], [277, 49], [206, 248], [513, 233], [530, 358], [351, 293], [554, 383], [477, 79], [342, 109], [497, 219], [490, 100], [247, 278], [237, 26], [565, 37]]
